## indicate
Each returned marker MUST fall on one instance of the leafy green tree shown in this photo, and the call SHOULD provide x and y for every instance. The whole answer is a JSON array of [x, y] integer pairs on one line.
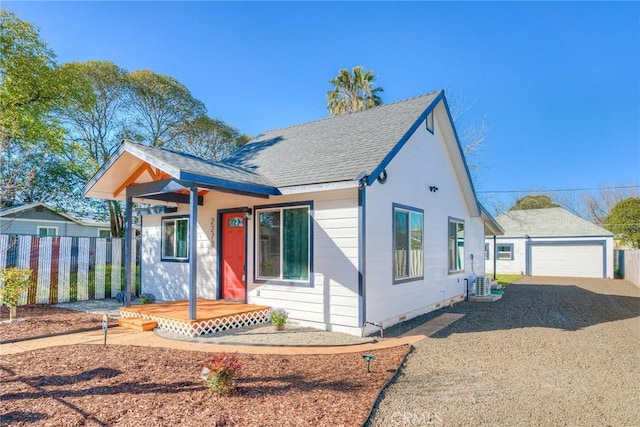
[[534, 202], [242, 139], [353, 91], [162, 105], [30, 87], [208, 138], [624, 221], [96, 120]]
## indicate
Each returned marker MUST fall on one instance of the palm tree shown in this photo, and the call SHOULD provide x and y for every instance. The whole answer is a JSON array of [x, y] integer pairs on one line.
[[353, 91]]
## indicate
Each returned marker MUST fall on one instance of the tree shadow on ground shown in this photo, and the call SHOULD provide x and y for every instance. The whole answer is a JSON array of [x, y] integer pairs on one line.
[[558, 306], [567, 304], [282, 384]]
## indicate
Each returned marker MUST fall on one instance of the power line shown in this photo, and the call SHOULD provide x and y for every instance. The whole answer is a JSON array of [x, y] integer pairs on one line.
[[559, 190]]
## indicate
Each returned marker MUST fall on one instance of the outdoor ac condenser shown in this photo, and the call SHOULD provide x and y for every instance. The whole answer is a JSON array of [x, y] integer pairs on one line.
[[483, 286]]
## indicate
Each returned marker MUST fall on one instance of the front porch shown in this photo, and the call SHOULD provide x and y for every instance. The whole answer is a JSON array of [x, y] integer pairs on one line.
[[212, 315]]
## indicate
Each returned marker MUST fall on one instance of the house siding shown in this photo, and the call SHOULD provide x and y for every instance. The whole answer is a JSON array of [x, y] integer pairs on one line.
[[330, 301], [30, 226], [424, 161]]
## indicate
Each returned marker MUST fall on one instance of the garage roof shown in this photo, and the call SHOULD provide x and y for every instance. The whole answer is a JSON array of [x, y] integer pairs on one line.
[[547, 222]]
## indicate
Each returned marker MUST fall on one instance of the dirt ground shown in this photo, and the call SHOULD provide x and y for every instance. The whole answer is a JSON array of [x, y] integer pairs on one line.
[[138, 386], [553, 351]]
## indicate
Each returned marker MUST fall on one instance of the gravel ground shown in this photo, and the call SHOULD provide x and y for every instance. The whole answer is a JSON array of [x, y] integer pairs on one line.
[[266, 335], [553, 351]]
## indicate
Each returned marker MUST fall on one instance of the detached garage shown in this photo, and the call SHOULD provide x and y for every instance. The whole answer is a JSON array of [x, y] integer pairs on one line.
[[549, 242]]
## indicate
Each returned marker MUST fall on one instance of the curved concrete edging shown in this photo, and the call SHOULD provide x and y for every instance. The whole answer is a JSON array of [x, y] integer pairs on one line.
[[122, 336]]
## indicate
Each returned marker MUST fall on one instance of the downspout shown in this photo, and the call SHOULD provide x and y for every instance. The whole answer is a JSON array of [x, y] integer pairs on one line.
[[362, 251], [495, 254]]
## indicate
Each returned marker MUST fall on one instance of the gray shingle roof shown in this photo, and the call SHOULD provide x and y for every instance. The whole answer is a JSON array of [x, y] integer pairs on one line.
[[546, 223], [333, 149], [196, 165]]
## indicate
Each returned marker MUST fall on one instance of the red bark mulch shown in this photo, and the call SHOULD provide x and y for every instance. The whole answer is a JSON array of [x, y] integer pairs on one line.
[[136, 386]]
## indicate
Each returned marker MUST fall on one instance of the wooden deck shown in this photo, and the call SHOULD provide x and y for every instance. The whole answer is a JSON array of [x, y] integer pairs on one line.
[[212, 315]]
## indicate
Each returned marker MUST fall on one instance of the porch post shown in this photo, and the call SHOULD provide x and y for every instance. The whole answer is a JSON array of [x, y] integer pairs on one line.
[[193, 250], [127, 250]]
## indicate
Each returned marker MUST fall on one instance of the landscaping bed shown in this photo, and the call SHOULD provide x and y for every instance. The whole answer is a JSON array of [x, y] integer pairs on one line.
[[133, 386], [37, 321]]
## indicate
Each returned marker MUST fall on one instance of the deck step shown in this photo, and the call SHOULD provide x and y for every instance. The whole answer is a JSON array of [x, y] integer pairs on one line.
[[137, 324]]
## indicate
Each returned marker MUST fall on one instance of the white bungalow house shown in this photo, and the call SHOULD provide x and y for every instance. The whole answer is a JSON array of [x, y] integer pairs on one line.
[[365, 217], [549, 242]]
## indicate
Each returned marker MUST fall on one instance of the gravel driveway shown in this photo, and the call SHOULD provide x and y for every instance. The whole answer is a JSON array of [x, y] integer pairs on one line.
[[553, 351]]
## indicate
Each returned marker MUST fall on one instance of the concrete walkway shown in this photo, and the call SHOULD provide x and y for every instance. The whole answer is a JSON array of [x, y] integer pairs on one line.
[[121, 336]]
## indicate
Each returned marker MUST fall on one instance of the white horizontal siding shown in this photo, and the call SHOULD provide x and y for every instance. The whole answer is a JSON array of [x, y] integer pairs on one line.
[[330, 302], [424, 161]]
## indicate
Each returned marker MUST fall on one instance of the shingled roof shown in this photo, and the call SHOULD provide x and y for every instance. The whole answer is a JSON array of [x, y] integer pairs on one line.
[[547, 222], [333, 149]]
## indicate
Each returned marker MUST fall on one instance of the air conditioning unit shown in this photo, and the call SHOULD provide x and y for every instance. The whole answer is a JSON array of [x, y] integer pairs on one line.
[[483, 286]]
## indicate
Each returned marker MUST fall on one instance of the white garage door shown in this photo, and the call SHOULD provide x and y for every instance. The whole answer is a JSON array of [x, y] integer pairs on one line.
[[567, 260]]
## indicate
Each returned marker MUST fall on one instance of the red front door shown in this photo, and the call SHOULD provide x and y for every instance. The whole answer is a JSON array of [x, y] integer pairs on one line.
[[232, 268]]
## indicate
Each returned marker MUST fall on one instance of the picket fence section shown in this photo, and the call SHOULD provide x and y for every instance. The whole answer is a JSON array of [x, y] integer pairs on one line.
[[68, 268]]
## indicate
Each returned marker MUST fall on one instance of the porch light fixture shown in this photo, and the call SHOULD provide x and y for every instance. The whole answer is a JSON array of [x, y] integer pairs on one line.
[[247, 213]]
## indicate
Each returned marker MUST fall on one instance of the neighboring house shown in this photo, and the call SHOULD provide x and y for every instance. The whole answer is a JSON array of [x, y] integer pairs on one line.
[[549, 242], [365, 217], [38, 219]]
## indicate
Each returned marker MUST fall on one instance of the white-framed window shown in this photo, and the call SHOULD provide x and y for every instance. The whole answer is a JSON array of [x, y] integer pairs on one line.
[[47, 231], [175, 239], [283, 243], [456, 245], [104, 232], [505, 251], [408, 243], [487, 251]]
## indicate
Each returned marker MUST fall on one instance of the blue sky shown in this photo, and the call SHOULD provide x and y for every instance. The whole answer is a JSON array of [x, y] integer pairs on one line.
[[557, 83]]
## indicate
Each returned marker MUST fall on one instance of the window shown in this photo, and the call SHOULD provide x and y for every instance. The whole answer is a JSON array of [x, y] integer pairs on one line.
[[175, 239], [456, 245], [408, 251], [47, 231], [487, 253], [505, 252], [283, 243], [429, 122], [104, 232]]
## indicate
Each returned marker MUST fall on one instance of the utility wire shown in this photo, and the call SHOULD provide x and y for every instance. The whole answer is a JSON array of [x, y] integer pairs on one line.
[[558, 190]]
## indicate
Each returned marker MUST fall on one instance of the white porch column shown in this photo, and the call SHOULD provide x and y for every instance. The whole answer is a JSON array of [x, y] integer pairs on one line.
[[193, 250]]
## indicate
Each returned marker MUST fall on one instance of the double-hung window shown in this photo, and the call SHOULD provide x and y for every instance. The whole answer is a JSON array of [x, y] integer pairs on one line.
[[456, 245], [408, 244], [284, 243], [47, 231], [175, 239], [505, 252]]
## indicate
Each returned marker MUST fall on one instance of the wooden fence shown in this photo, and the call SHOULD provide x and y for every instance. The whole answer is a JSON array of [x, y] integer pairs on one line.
[[68, 268], [632, 266]]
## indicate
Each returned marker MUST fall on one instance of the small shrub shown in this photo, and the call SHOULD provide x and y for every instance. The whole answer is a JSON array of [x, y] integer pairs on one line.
[[147, 298], [13, 283], [120, 296], [278, 316], [219, 372]]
